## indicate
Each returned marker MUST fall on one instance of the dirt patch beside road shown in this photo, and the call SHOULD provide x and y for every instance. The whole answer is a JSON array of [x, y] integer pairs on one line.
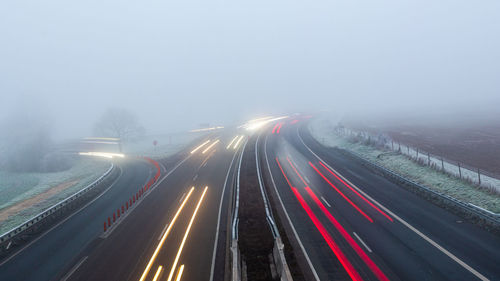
[[18, 207]]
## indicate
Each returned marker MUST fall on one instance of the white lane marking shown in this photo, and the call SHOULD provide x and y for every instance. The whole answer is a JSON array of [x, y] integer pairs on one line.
[[288, 217], [362, 242], [164, 229], [307, 180], [182, 197], [423, 236], [73, 270], [324, 200], [61, 222], [195, 177], [218, 219]]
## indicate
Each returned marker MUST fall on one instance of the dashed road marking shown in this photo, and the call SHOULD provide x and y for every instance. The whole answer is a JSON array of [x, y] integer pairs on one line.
[[324, 200], [362, 242]]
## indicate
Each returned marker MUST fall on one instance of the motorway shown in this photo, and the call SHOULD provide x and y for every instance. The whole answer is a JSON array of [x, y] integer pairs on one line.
[[354, 224], [178, 230], [349, 223], [177, 224], [54, 250]]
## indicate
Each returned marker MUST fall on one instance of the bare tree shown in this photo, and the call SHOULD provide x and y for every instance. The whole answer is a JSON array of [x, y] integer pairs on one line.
[[119, 123]]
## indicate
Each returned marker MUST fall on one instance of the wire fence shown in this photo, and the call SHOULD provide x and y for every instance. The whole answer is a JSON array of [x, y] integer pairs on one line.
[[482, 178]]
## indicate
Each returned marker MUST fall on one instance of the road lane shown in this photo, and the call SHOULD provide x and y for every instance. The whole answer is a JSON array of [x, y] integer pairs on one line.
[[44, 259], [125, 254], [398, 250]]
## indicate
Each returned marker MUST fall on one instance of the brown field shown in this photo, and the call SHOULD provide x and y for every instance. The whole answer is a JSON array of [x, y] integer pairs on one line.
[[474, 144]]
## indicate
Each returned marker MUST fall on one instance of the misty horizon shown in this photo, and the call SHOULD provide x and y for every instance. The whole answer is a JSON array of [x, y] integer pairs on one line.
[[180, 64]]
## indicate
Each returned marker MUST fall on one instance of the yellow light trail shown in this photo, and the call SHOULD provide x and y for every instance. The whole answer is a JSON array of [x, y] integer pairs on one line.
[[179, 274], [259, 119], [101, 142], [258, 124], [206, 129], [158, 272], [160, 245], [186, 235], [229, 145], [102, 154], [238, 142], [210, 146], [99, 138], [200, 146]]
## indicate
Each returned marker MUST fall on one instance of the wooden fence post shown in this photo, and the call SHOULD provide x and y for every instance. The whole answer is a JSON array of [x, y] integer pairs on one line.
[[479, 176], [459, 170]]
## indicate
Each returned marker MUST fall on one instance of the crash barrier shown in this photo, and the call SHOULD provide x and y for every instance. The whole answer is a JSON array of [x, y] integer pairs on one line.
[[115, 216], [25, 230], [485, 216]]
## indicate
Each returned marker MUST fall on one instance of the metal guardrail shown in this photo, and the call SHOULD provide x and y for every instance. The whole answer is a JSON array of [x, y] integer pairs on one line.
[[459, 169], [269, 214], [234, 232], [43, 215], [235, 252], [482, 213], [278, 249]]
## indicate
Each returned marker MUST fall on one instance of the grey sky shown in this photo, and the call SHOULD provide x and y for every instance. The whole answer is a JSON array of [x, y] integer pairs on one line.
[[180, 63]]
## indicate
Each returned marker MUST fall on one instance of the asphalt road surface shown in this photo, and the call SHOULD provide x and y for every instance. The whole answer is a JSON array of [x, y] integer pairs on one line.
[[173, 231], [350, 222], [45, 257], [354, 224]]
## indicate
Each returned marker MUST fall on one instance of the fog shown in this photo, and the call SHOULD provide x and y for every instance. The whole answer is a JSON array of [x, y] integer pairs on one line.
[[177, 64]]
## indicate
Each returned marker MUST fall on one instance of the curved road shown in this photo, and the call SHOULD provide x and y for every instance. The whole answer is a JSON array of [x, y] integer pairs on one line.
[[355, 224], [45, 257]]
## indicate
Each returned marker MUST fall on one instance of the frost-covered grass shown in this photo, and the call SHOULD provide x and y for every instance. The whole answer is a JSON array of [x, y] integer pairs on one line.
[[323, 131], [16, 188], [469, 174]]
